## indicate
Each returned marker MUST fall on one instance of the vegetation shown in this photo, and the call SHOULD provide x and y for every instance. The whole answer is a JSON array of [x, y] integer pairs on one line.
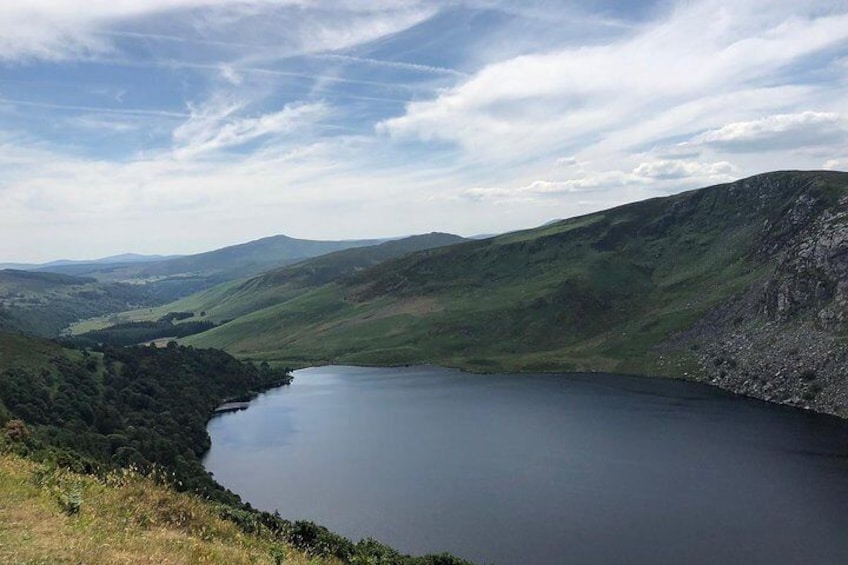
[[172, 278], [132, 333], [116, 407], [46, 303], [606, 291], [117, 432], [236, 298], [122, 517]]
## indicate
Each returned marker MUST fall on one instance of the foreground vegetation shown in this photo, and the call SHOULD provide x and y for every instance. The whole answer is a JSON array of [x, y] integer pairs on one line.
[[125, 430], [51, 515]]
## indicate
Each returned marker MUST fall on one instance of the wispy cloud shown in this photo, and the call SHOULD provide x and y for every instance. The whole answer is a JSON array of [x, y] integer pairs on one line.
[[569, 94], [230, 120], [393, 64], [59, 30], [217, 125], [96, 109]]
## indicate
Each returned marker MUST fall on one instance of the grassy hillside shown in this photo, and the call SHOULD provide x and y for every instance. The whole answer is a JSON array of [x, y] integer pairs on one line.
[[179, 276], [236, 298], [605, 291], [50, 515]]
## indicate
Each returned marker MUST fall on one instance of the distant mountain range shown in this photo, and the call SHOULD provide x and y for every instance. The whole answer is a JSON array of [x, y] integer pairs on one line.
[[223, 264], [169, 278], [46, 300], [124, 258], [240, 297]]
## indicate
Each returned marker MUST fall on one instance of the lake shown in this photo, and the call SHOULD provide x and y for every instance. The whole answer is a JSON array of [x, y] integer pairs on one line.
[[538, 469]]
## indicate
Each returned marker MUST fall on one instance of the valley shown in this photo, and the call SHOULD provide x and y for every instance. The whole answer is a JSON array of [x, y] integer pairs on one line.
[[740, 285], [423, 283]]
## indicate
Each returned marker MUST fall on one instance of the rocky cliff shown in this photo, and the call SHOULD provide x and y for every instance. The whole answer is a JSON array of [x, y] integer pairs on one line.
[[786, 338]]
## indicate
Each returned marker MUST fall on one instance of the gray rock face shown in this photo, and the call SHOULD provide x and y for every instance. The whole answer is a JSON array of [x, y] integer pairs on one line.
[[785, 339], [812, 275]]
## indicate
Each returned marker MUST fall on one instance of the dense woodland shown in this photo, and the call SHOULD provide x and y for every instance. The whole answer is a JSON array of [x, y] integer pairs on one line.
[[132, 333], [131, 406]]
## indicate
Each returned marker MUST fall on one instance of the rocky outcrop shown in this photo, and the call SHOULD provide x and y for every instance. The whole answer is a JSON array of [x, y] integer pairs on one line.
[[785, 339], [812, 275]]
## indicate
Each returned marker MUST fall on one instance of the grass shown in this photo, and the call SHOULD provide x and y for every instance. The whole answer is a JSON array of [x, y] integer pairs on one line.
[[123, 519]]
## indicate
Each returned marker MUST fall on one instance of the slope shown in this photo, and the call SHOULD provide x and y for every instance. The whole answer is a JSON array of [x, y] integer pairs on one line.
[[126, 518], [606, 291], [221, 264], [230, 300]]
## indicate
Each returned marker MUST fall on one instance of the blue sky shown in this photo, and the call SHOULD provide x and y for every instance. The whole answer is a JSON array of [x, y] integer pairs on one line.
[[177, 126]]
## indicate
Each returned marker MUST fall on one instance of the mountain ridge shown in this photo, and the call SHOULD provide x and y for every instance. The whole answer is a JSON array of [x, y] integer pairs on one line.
[[609, 291]]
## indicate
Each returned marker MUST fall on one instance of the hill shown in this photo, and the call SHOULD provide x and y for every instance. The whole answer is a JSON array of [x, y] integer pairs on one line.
[[112, 259], [126, 518], [46, 299], [237, 298], [179, 276], [46, 303], [741, 284]]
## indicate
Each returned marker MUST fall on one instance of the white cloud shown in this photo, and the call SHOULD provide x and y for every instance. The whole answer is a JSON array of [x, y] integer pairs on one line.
[[547, 188], [570, 161], [634, 110], [836, 164], [520, 107], [779, 131], [665, 169], [230, 75], [646, 179]]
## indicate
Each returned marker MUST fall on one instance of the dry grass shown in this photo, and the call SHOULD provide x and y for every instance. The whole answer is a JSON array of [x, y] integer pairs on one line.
[[127, 519]]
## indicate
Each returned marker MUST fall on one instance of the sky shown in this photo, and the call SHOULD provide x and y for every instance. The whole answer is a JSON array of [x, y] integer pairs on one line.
[[180, 126]]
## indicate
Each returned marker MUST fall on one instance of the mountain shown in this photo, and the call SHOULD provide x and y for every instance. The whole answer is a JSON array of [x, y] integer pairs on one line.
[[175, 277], [124, 258], [237, 298], [252, 257], [742, 284]]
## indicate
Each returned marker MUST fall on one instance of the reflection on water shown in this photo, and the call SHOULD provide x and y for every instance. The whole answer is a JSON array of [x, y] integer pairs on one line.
[[542, 468]]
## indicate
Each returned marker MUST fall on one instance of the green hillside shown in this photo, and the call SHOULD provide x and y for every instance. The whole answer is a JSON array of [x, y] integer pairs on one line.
[[201, 270], [611, 291], [236, 298]]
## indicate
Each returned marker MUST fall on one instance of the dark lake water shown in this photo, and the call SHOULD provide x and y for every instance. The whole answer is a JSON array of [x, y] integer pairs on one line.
[[526, 469]]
